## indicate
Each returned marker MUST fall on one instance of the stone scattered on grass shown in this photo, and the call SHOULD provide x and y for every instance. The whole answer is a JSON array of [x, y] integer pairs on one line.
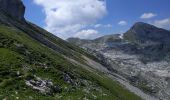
[[17, 98], [43, 86]]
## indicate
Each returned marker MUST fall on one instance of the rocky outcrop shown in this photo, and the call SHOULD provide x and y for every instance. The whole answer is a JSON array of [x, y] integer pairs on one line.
[[43, 86], [14, 8]]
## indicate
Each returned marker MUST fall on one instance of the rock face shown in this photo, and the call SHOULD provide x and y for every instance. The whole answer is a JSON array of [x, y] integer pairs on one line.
[[15, 8]]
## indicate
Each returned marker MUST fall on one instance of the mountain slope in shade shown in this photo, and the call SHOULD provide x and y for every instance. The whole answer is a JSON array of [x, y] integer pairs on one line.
[[141, 55], [143, 32], [34, 64]]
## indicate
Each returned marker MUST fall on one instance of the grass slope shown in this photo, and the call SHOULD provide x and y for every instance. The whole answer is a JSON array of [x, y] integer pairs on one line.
[[23, 58]]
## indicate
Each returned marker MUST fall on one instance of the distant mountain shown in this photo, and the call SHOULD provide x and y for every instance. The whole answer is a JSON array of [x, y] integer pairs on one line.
[[142, 32], [152, 42], [36, 65], [104, 39], [108, 38], [139, 33], [141, 55], [78, 41], [143, 39]]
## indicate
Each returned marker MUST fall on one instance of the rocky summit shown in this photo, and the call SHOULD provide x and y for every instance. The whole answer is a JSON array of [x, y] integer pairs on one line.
[[143, 33], [15, 8]]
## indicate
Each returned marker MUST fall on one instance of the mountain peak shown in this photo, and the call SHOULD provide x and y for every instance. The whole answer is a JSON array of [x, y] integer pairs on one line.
[[15, 8], [143, 32], [142, 25]]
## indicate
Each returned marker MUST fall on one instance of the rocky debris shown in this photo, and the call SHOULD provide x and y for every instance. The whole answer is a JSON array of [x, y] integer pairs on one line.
[[17, 98], [4, 98], [85, 98], [15, 8], [43, 86], [88, 86], [58, 96], [67, 78], [86, 90], [150, 77], [94, 96], [30, 98], [142, 57], [42, 65], [18, 73]]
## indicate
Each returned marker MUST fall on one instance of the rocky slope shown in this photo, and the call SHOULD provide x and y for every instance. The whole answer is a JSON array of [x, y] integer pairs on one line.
[[36, 65], [142, 56]]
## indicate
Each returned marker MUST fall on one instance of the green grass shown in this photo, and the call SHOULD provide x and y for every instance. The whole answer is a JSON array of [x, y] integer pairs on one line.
[[17, 49]]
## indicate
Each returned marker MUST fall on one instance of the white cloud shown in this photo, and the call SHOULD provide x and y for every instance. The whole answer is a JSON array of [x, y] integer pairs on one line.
[[147, 15], [66, 17], [88, 34], [122, 23], [164, 23], [102, 26]]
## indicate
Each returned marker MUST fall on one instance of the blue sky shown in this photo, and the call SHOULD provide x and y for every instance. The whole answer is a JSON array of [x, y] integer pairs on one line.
[[117, 16]]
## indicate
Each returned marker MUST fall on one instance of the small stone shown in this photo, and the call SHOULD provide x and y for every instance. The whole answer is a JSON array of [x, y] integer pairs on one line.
[[104, 94], [16, 92], [85, 98], [58, 96], [30, 97], [18, 73], [4, 98], [94, 96]]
